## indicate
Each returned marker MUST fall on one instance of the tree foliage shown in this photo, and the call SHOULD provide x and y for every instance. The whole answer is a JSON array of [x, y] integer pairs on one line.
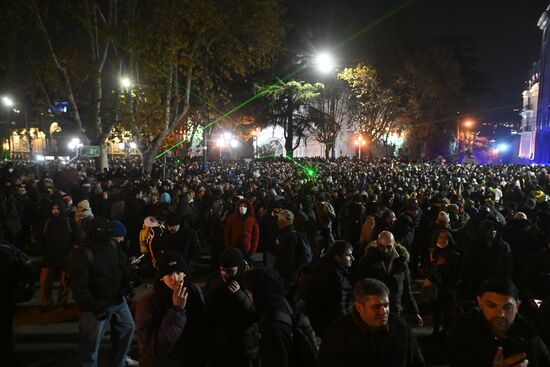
[[288, 104], [182, 57], [374, 107], [328, 114], [178, 53]]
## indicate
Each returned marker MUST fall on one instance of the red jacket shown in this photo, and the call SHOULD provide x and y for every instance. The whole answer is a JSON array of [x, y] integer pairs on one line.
[[242, 231]]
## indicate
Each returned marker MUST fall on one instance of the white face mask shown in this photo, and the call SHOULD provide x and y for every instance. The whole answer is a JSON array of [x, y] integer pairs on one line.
[[243, 210]]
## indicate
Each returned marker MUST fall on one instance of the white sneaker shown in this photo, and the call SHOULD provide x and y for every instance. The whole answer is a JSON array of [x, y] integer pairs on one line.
[[131, 362]]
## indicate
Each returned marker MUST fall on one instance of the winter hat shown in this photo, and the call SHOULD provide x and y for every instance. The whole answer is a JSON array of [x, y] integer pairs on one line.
[[101, 228], [443, 218], [231, 257], [173, 220], [118, 229], [165, 198], [84, 204], [169, 262]]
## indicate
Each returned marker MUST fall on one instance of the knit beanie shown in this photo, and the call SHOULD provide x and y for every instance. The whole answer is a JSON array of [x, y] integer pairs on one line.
[[169, 262], [231, 257], [118, 229]]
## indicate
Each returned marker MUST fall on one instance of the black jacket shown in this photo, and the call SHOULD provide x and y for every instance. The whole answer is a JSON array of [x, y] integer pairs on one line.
[[482, 261], [397, 278], [287, 257], [185, 241], [103, 281], [349, 342], [329, 294], [60, 233], [231, 320], [472, 344], [167, 335]]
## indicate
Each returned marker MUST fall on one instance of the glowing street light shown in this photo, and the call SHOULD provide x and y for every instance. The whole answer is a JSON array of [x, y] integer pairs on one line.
[[75, 143], [325, 62], [126, 82], [359, 142], [502, 147], [8, 102], [468, 124]]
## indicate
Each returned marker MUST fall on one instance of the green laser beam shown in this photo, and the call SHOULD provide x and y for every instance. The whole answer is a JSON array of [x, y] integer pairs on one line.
[[264, 91], [257, 95], [367, 28]]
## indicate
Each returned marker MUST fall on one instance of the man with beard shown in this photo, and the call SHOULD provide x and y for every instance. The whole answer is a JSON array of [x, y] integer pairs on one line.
[[370, 335], [387, 261], [495, 335], [230, 314]]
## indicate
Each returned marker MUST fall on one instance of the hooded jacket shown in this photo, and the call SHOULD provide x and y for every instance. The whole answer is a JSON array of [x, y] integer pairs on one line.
[[396, 276], [242, 231]]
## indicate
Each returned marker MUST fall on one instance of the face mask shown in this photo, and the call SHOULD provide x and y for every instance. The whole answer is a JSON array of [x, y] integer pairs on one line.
[[243, 210]]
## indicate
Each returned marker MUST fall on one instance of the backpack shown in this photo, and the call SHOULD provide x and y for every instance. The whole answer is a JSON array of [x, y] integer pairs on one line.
[[304, 254], [304, 348], [24, 272]]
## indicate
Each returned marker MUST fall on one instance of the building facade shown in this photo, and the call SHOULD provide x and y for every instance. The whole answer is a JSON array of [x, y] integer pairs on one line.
[[542, 139], [528, 131]]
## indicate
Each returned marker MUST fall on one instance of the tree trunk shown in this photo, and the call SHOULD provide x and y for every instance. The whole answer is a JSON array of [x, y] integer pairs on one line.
[[147, 159], [327, 151], [102, 161]]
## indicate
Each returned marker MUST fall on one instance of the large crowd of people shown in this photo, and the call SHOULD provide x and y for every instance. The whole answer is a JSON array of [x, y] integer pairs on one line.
[[313, 261]]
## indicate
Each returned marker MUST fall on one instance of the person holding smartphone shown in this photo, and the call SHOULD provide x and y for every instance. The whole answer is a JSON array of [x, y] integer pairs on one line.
[[495, 335]]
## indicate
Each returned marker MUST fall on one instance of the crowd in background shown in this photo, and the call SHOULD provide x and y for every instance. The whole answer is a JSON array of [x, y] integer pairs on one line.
[[322, 227]]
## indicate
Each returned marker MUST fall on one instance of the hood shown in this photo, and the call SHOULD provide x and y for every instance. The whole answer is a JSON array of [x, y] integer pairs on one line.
[[485, 224], [399, 252], [249, 212]]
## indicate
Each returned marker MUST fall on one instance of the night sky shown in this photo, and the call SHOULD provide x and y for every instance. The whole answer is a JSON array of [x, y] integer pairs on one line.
[[505, 36]]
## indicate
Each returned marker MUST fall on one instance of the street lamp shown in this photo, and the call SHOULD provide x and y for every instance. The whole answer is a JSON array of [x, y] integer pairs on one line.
[[126, 82], [359, 142], [225, 141], [255, 134], [8, 102], [325, 62]]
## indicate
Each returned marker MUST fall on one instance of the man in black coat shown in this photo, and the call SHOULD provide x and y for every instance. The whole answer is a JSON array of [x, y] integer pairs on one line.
[[100, 280], [370, 335], [181, 238], [486, 257], [231, 316], [387, 261], [329, 293], [496, 335]]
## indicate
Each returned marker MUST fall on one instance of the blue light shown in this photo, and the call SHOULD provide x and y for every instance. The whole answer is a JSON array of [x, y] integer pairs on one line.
[[502, 147]]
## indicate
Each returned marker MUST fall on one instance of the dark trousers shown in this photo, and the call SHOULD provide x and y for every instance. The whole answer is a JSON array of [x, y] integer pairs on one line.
[[7, 345]]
